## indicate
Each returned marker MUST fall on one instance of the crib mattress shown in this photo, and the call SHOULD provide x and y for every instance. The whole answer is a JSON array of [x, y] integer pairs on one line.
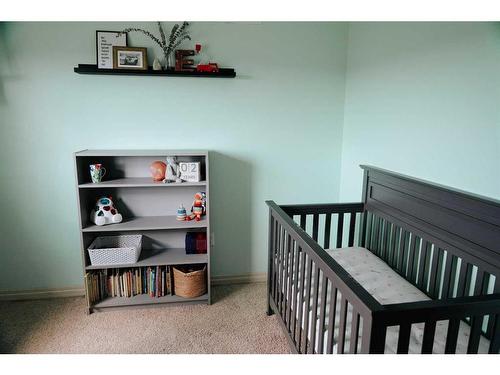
[[387, 287]]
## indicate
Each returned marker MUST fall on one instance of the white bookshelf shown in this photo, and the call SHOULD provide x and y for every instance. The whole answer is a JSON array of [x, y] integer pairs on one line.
[[148, 208]]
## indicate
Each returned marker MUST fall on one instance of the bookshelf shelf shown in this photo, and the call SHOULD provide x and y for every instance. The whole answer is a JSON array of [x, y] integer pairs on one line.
[[160, 257], [149, 209], [144, 299], [137, 182], [147, 223]]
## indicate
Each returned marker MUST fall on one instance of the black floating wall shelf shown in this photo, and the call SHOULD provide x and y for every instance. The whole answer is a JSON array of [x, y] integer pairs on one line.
[[92, 69]]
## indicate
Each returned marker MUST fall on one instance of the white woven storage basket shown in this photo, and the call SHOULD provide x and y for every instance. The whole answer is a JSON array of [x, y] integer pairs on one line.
[[110, 250]]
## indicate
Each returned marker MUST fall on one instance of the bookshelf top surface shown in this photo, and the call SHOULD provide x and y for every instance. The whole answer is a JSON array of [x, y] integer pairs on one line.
[[142, 153]]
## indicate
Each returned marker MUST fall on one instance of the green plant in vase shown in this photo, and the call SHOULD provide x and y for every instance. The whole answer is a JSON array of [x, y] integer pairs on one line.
[[178, 34]]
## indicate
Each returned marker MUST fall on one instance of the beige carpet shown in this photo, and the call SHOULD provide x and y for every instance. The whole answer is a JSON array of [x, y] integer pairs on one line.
[[236, 322]]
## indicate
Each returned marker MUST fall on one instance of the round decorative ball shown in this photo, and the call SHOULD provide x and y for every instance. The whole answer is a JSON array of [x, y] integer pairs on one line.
[[158, 169]]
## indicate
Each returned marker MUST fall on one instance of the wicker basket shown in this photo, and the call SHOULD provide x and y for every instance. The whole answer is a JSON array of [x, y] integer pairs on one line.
[[190, 281], [112, 250]]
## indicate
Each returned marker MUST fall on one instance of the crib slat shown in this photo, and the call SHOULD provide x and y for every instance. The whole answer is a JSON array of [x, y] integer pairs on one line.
[[482, 281], [303, 221], [342, 326], [452, 336], [280, 271], [370, 241], [352, 228], [375, 226], [275, 262], [295, 290], [423, 265], [495, 338], [286, 278], [383, 243], [390, 243], [490, 330], [273, 266], [291, 249], [331, 320], [380, 247], [322, 312], [354, 332], [428, 340], [404, 338], [369, 229], [314, 318], [363, 229], [301, 297], [328, 224], [468, 280], [307, 304], [436, 272], [464, 278], [315, 227], [427, 267], [395, 246], [340, 229], [475, 334], [416, 259], [447, 274], [411, 258], [453, 275], [402, 252]]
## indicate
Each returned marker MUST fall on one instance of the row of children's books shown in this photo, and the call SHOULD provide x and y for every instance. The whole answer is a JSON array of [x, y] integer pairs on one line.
[[128, 282]]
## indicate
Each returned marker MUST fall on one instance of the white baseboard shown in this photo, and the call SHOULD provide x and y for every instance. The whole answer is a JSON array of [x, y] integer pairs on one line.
[[77, 292], [41, 294], [240, 279]]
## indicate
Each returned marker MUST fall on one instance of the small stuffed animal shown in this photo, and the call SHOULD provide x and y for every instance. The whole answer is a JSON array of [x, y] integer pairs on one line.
[[173, 171], [199, 207], [104, 212]]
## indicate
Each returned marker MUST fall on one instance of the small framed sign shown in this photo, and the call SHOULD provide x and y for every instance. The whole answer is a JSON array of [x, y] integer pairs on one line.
[[190, 171], [105, 41]]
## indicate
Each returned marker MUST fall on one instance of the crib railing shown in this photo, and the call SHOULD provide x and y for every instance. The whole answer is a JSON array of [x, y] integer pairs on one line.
[[321, 307], [324, 310], [453, 311]]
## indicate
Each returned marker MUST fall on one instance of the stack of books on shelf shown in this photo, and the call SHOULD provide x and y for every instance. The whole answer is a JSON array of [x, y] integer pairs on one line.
[[128, 282], [196, 243], [95, 286]]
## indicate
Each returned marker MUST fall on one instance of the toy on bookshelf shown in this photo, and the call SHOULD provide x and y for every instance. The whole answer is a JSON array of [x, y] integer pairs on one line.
[[181, 213], [104, 212], [198, 209], [158, 169], [190, 171], [173, 173]]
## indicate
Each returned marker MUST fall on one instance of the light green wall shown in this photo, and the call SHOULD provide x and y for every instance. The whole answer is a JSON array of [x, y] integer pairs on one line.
[[423, 99], [275, 130]]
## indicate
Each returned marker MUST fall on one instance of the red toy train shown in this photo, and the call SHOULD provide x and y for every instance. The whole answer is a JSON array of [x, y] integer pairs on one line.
[[210, 68]]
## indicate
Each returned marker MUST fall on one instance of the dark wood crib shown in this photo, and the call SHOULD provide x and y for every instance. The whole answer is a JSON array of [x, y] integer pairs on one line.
[[443, 241]]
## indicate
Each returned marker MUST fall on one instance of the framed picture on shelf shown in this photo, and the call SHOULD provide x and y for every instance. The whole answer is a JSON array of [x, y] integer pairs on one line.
[[105, 41], [130, 58]]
